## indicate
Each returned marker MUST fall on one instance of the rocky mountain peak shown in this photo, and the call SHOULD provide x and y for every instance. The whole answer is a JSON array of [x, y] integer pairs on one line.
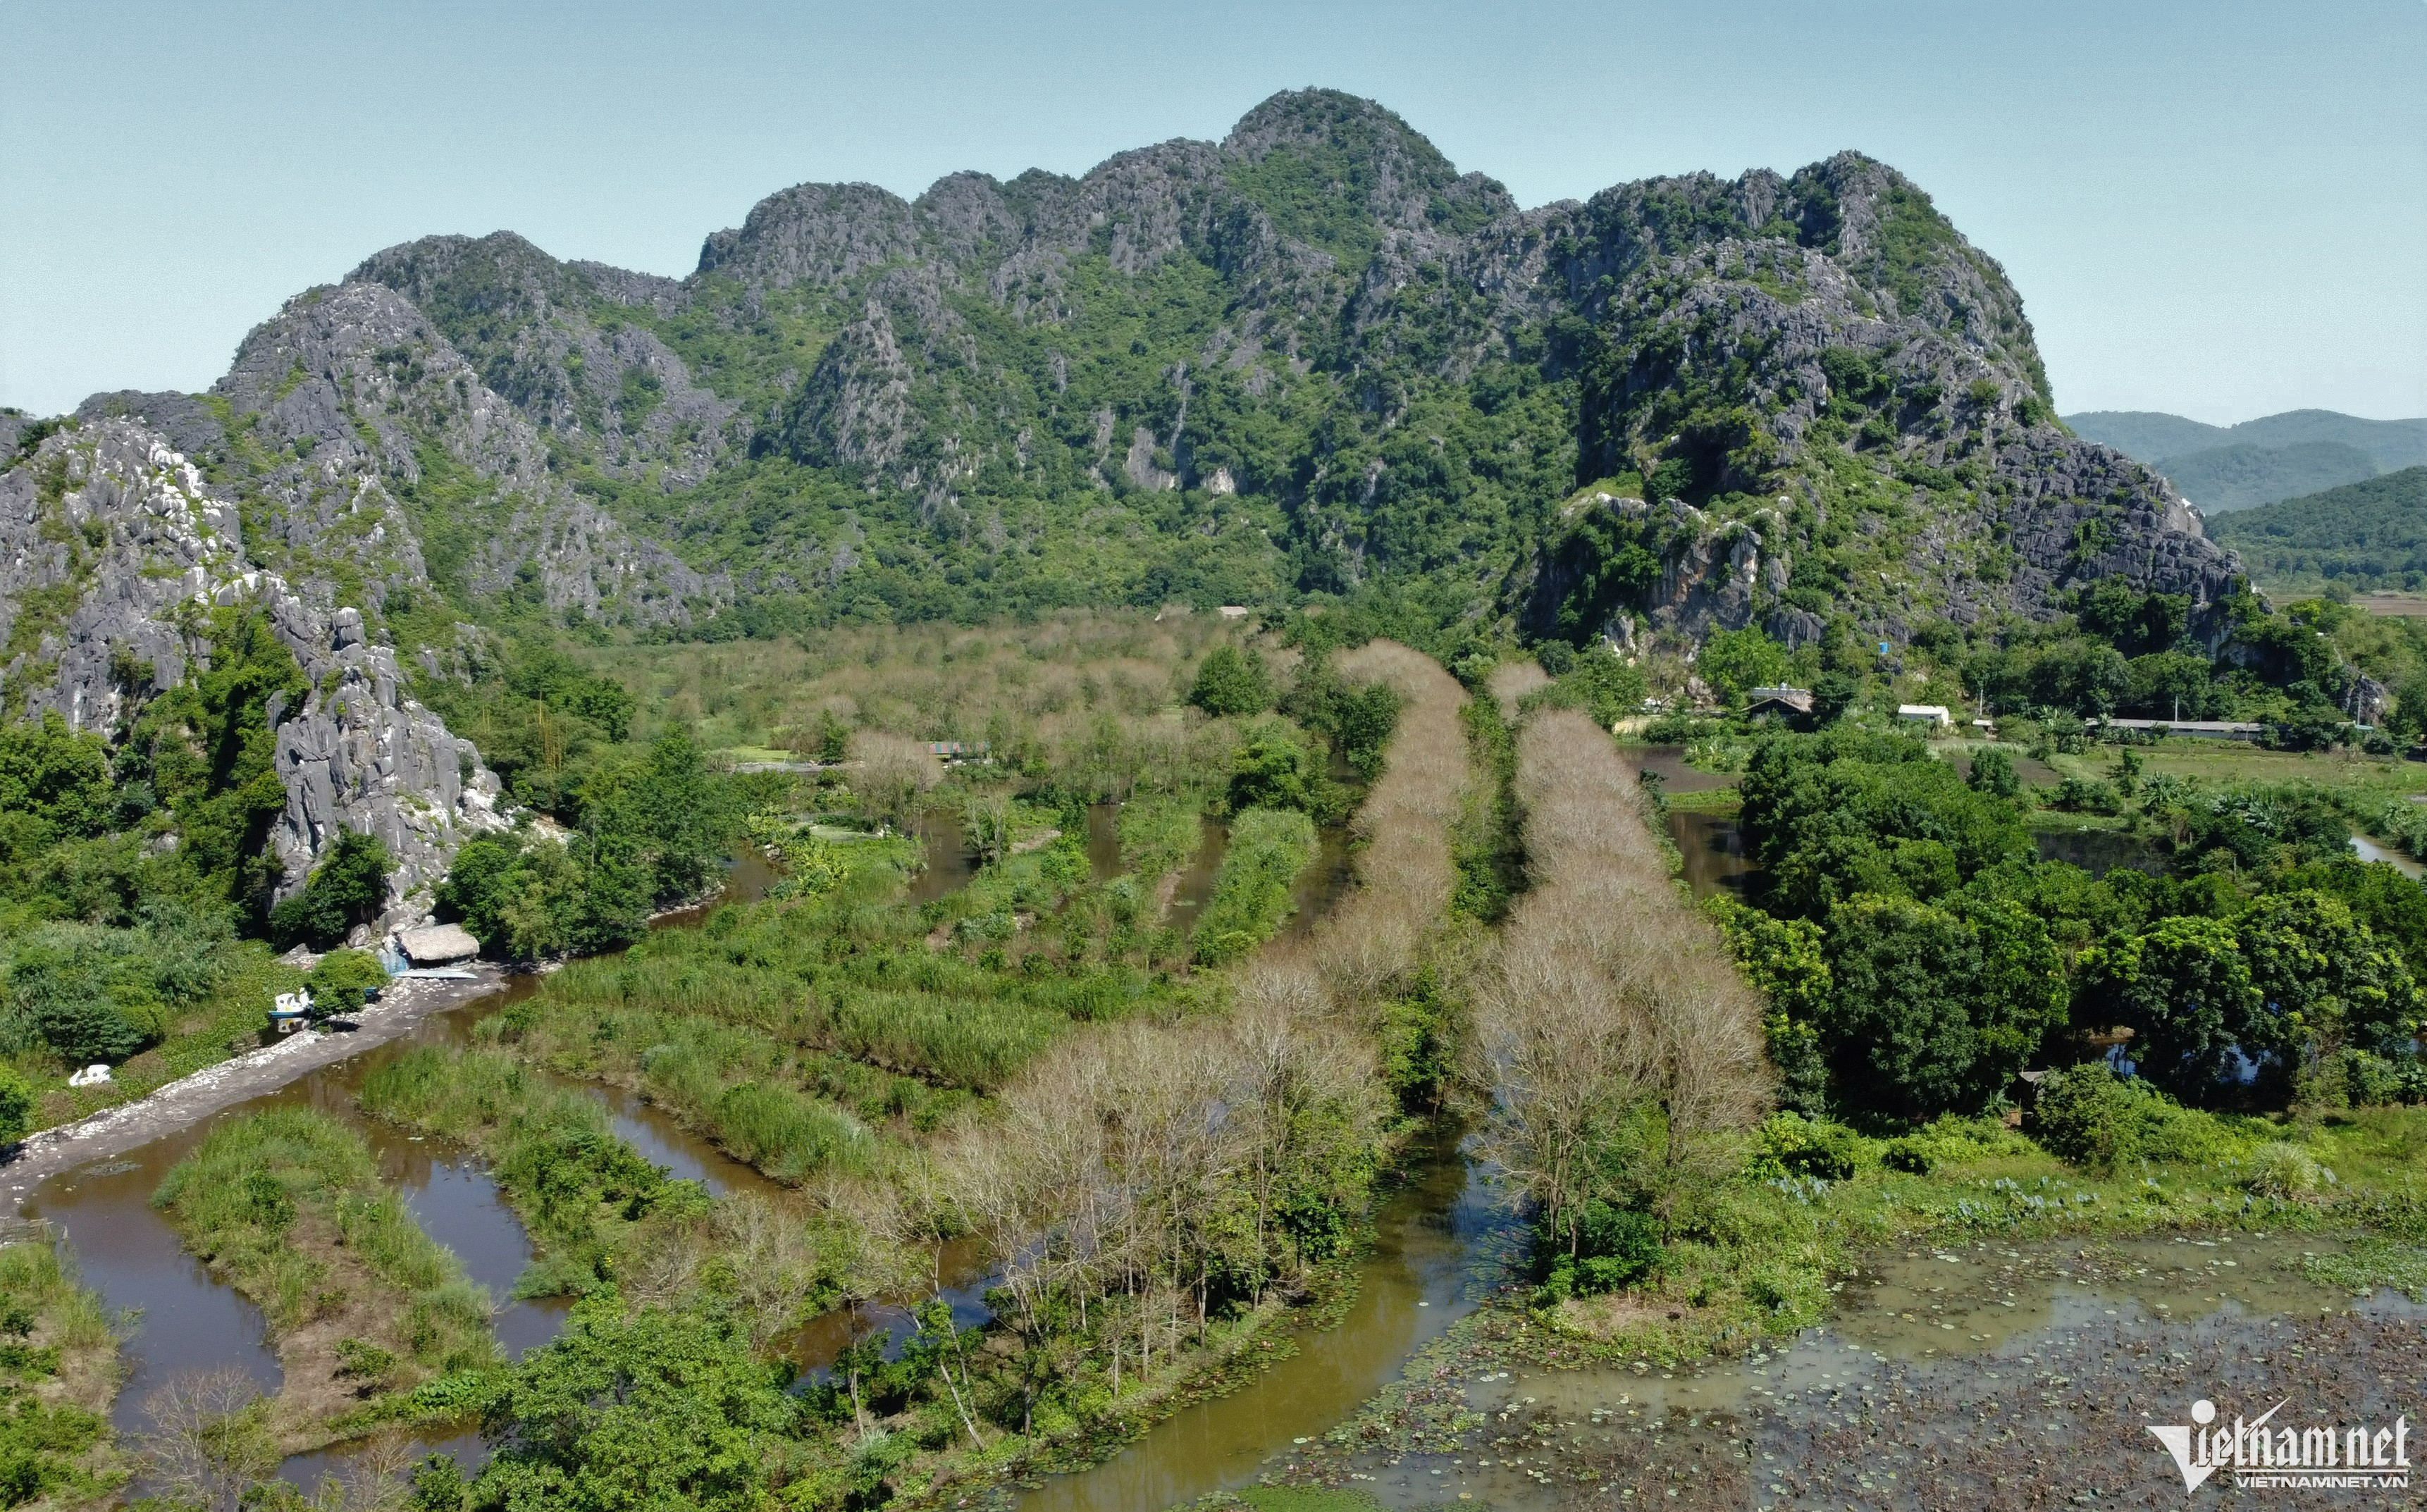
[[1361, 159], [821, 233]]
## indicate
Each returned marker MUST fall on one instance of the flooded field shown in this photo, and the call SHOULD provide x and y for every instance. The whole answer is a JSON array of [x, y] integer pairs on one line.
[[1977, 1375], [184, 1322], [1668, 763]]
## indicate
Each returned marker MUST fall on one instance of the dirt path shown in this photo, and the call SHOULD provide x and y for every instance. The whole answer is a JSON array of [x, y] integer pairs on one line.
[[190, 1099]]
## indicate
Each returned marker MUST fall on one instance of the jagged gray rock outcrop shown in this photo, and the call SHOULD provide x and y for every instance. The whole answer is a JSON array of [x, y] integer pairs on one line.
[[110, 542], [358, 427]]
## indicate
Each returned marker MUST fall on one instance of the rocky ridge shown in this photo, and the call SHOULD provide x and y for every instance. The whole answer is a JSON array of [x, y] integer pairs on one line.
[[949, 357], [1338, 357], [111, 541]]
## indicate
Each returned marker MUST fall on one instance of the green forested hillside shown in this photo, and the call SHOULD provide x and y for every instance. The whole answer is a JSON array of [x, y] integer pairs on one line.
[[2221, 480], [2367, 536]]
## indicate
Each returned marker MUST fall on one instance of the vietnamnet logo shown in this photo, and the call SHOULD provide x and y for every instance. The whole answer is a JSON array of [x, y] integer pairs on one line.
[[2259, 1455]]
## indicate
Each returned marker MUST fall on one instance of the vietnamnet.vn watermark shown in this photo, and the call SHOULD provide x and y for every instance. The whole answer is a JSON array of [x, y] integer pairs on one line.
[[2262, 1454]]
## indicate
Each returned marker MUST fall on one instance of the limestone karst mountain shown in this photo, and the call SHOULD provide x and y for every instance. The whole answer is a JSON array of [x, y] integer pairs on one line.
[[1311, 358]]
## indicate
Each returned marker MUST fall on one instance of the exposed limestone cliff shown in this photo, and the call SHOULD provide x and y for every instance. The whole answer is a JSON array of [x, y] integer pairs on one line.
[[111, 541]]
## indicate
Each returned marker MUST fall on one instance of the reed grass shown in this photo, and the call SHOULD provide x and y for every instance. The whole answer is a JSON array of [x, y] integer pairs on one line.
[[578, 1189], [1159, 834], [288, 1206], [1252, 895]]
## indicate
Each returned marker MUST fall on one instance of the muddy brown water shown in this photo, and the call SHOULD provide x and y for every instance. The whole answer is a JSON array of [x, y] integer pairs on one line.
[[1196, 878], [182, 1320], [1668, 762], [1326, 880], [1411, 1285], [1103, 842], [1714, 851], [951, 863]]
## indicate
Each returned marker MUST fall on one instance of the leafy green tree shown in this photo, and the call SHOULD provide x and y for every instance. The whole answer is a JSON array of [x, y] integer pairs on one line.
[[1232, 683], [527, 896], [1992, 773], [650, 1409], [2184, 990], [2324, 978], [17, 1105], [1275, 771], [1833, 693], [348, 888], [211, 751], [1733, 661], [55, 777], [664, 815], [1932, 1010], [341, 979], [2089, 1116], [1603, 683], [81, 994], [1783, 958], [1848, 811]]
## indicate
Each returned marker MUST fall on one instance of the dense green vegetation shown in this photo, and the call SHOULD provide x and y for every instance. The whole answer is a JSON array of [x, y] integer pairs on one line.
[[1918, 955], [915, 1070], [1269, 847], [580, 1189], [2365, 537], [128, 869]]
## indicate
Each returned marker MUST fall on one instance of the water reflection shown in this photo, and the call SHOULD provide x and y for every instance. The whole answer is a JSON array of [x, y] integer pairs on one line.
[[1714, 851], [2373, 850], [949, 861], [1196, 882], [1321, 885], [961, 1277], [1103, 842], [128, 1255], [1668, 763]]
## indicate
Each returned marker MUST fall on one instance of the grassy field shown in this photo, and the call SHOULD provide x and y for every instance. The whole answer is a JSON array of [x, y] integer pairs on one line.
[[2368, 780], [1757, 1261], [228, 1022], [581, 1192]]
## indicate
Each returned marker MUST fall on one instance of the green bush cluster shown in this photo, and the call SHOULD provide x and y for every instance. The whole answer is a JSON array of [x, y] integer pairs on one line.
[[347, 889], [655, 831], [45, 1441], [2089, 1116], [1613, 1248], [1916, 954], [342, 980], [578, 1189]]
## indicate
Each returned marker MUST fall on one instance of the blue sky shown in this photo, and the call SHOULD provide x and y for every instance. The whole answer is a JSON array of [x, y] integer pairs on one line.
[[2215, 209]]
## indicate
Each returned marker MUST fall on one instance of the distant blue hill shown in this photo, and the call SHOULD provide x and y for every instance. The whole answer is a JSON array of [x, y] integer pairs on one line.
[[2223, 468]]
